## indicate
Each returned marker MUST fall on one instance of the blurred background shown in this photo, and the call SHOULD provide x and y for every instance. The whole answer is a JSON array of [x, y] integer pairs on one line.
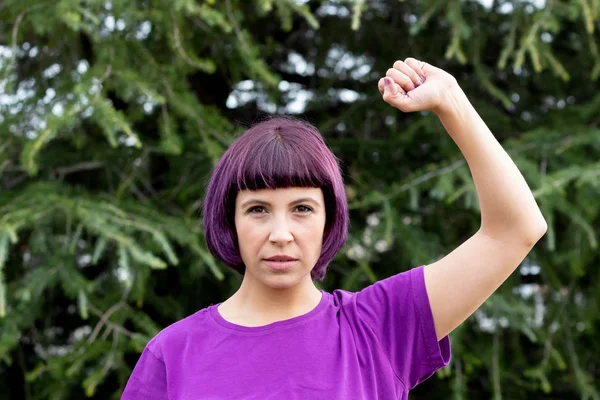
[[113, 113]]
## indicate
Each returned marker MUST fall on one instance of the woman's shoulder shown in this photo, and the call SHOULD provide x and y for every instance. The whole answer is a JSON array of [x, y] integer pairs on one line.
[[193, 327], [400, 281]]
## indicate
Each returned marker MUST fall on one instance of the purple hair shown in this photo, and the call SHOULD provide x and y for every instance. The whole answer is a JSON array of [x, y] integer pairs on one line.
[[278, 153]]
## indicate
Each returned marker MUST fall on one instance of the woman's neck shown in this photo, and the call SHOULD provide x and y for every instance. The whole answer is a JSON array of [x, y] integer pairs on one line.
[[252, 305]]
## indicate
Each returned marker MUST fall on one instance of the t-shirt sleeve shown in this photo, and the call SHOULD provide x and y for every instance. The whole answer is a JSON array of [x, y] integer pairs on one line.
[[148, 380], [398, 312]]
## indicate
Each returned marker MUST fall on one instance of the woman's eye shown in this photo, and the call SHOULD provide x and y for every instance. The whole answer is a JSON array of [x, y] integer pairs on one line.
[[304, 209], [253, 209]]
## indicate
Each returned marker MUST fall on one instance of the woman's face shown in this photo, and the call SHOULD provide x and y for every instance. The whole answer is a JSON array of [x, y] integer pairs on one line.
[[288, 222]]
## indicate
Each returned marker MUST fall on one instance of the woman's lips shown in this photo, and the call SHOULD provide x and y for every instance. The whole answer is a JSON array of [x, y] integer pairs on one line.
[[280, 265]]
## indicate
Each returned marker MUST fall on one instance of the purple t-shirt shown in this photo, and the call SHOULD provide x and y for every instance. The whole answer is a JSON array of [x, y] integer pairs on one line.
[[377, 343]]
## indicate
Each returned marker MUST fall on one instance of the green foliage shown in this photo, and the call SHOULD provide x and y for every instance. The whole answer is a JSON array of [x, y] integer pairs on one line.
[[112, 115]]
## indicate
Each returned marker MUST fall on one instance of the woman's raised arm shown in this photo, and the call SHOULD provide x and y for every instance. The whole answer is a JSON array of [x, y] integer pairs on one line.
[[511, 222]]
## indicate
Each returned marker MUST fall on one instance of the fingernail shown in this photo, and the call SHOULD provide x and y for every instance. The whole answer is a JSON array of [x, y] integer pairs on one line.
[[387, 83]]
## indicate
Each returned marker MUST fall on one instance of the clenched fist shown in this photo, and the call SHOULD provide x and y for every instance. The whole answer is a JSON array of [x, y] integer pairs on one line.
[[413, 85]]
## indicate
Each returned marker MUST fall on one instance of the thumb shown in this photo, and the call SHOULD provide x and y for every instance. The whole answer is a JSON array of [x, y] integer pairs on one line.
[[395, 96], [390, 89]]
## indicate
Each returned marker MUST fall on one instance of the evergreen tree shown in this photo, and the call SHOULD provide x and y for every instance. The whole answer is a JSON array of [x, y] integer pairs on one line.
[[113, 113]]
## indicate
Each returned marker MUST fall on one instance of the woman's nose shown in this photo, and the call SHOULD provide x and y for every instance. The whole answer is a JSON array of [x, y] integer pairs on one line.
[[280, 232]]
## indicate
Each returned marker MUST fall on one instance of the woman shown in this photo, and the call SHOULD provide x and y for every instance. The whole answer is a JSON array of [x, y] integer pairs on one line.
[[276, 211]]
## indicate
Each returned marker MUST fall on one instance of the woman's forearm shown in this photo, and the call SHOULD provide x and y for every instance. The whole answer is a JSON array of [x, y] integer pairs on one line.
[[508, 209]]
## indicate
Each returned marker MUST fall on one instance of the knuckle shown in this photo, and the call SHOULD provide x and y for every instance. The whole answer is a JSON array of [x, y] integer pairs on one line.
[[398, 63], [390, 71]]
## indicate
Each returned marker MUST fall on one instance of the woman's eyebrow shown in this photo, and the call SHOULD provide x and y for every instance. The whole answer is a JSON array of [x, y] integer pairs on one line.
[[266, 203]]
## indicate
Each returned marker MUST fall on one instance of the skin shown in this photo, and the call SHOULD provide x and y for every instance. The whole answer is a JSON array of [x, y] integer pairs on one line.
[[264, 230]]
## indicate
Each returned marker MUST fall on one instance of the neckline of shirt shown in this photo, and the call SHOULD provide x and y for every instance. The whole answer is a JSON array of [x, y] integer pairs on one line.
[[222, 322]]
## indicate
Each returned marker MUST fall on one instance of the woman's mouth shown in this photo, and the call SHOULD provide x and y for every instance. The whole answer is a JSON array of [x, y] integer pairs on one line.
[[280, 265]]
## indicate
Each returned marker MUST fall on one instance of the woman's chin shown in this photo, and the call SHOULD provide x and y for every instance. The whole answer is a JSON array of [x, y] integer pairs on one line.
[[285, 281]]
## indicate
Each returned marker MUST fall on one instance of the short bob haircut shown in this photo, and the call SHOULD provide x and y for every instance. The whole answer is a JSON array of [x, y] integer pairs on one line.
[[280, 152]]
